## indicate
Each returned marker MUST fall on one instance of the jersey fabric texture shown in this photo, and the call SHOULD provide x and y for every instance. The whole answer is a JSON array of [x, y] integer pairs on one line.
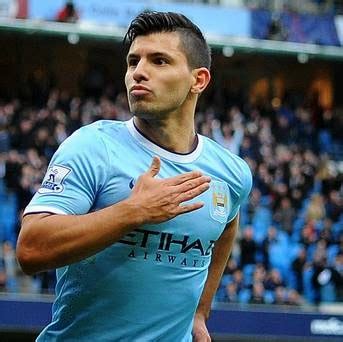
[[146, 286]]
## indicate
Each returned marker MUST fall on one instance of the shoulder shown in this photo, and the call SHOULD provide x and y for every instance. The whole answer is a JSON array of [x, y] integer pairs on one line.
[[223, 155], [93, 136], [102, 127], [230, 167]]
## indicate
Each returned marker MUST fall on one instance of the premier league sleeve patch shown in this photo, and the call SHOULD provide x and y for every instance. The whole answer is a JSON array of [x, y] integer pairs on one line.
[[53, 180], [220, 204]]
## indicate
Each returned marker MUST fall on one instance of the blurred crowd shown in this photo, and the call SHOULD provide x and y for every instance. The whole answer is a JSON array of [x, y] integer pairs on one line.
[[290, 246], [290, 250]]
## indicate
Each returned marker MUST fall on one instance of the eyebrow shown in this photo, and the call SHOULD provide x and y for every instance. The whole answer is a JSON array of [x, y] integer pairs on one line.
[[151, 55]]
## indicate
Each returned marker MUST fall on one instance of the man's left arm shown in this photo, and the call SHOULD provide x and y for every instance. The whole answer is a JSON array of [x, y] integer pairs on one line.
[[220, 254]]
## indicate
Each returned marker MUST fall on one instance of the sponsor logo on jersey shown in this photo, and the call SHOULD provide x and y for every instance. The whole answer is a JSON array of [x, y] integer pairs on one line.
[[163, 247], [132, 183], [53, 180], [219, 208]]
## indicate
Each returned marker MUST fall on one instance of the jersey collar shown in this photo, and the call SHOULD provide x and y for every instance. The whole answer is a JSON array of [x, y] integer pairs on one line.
[[156, 149]]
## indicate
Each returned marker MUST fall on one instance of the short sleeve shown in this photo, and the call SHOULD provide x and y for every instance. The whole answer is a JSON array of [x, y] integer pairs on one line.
[[243, 192], [74, 176]]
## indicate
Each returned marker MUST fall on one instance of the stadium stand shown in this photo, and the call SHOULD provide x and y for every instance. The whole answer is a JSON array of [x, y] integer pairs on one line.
[[284, 279], [290, 249]]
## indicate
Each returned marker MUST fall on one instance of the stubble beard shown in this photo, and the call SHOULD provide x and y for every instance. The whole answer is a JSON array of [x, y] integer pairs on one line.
[[146, 110]]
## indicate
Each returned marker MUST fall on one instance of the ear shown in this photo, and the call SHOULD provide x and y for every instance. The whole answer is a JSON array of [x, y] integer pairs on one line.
[[202, 77]]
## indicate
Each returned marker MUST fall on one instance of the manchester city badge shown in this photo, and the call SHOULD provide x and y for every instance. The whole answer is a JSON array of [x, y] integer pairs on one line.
[[220, 201]]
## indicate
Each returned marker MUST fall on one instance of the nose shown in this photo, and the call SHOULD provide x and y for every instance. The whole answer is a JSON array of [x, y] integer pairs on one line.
[[140, 72]]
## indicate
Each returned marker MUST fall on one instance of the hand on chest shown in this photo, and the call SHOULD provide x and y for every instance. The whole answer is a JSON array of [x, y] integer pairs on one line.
[[207, 222]]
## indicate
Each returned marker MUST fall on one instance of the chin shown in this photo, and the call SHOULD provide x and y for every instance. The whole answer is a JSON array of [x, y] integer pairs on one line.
[[137, 107], [144, 112], [139, 110]]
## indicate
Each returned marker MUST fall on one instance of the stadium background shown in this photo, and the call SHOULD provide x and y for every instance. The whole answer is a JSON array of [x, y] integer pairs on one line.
[[276, 99]]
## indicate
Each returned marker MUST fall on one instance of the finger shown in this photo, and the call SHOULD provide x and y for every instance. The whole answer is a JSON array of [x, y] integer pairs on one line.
[[184, 177], [192, 184], [187, 208], [190, 194], [155, 167]]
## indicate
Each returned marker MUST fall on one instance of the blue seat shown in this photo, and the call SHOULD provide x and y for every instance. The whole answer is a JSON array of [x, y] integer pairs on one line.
[[226, 279], [8, 218], [328, 293], [337, 228], [325, 141], [244, 296], [248, 272], [332, 251], [309, 292], [220, 296], [269, 297]]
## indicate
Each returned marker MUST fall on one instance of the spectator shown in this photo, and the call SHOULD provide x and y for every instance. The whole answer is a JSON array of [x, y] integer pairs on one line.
[[298, 266], [259, 275], [273, 280], [257, 295], [3, 275], [316, 208], [276, 30], [326, 281], [68, 13], [228, 135], [231, 266], [248, 247], [285, 215], [253, 204], [270, 239], [326, 232], [238, 280], [308, 234], [293, 298], [231, 293], [334, 205], [338, 267], [10, 266], [263, 180]]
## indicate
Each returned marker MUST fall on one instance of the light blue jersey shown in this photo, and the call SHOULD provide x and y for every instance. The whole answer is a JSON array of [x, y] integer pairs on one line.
[[145, 287]]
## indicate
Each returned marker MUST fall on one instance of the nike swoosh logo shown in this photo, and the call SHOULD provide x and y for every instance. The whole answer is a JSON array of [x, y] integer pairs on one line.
[[132, 183]]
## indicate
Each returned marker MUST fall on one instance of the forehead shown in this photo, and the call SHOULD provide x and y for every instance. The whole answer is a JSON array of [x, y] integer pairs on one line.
[[161, 42]]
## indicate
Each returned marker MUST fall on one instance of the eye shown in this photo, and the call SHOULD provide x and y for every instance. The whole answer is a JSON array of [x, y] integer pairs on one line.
[[132, 62], [160, 61]]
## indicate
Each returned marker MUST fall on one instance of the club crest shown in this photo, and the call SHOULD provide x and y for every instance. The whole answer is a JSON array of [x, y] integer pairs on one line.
[[220, 201], [52, 182]]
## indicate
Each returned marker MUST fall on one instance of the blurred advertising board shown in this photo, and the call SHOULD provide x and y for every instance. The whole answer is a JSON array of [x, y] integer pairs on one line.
[[211, 19], [13, 8]]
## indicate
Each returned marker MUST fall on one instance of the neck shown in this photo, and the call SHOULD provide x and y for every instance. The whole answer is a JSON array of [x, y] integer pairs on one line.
[[174, 135]]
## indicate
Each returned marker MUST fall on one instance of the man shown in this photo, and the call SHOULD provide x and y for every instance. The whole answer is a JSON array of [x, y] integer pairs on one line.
[[139, 249]]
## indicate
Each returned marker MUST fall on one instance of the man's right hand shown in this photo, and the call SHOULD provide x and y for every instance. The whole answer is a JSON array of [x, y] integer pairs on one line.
[[159, 200]]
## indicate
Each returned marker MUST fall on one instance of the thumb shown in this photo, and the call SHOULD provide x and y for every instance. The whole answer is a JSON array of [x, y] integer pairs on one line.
[[154, 168]]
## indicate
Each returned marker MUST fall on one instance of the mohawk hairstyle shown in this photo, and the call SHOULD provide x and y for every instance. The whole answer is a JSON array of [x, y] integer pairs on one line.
[[193, 43]]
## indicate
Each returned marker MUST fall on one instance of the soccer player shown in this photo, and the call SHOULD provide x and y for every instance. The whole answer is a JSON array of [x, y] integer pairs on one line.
[[139, 217]]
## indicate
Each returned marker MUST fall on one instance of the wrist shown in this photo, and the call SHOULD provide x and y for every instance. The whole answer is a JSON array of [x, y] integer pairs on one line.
[[201, 315], [134, 212]]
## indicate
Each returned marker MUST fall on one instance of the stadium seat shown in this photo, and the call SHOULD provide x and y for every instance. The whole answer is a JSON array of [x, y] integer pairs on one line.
[[309, 293], [248, 272], [8, 218], [328, 293], [244, 296], [269, 297]]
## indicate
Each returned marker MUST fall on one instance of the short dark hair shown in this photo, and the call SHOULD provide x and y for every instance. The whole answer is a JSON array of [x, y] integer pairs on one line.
[[194, 45]]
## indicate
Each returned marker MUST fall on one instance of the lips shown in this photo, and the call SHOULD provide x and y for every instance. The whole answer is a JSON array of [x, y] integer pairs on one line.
[[139, 90]]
